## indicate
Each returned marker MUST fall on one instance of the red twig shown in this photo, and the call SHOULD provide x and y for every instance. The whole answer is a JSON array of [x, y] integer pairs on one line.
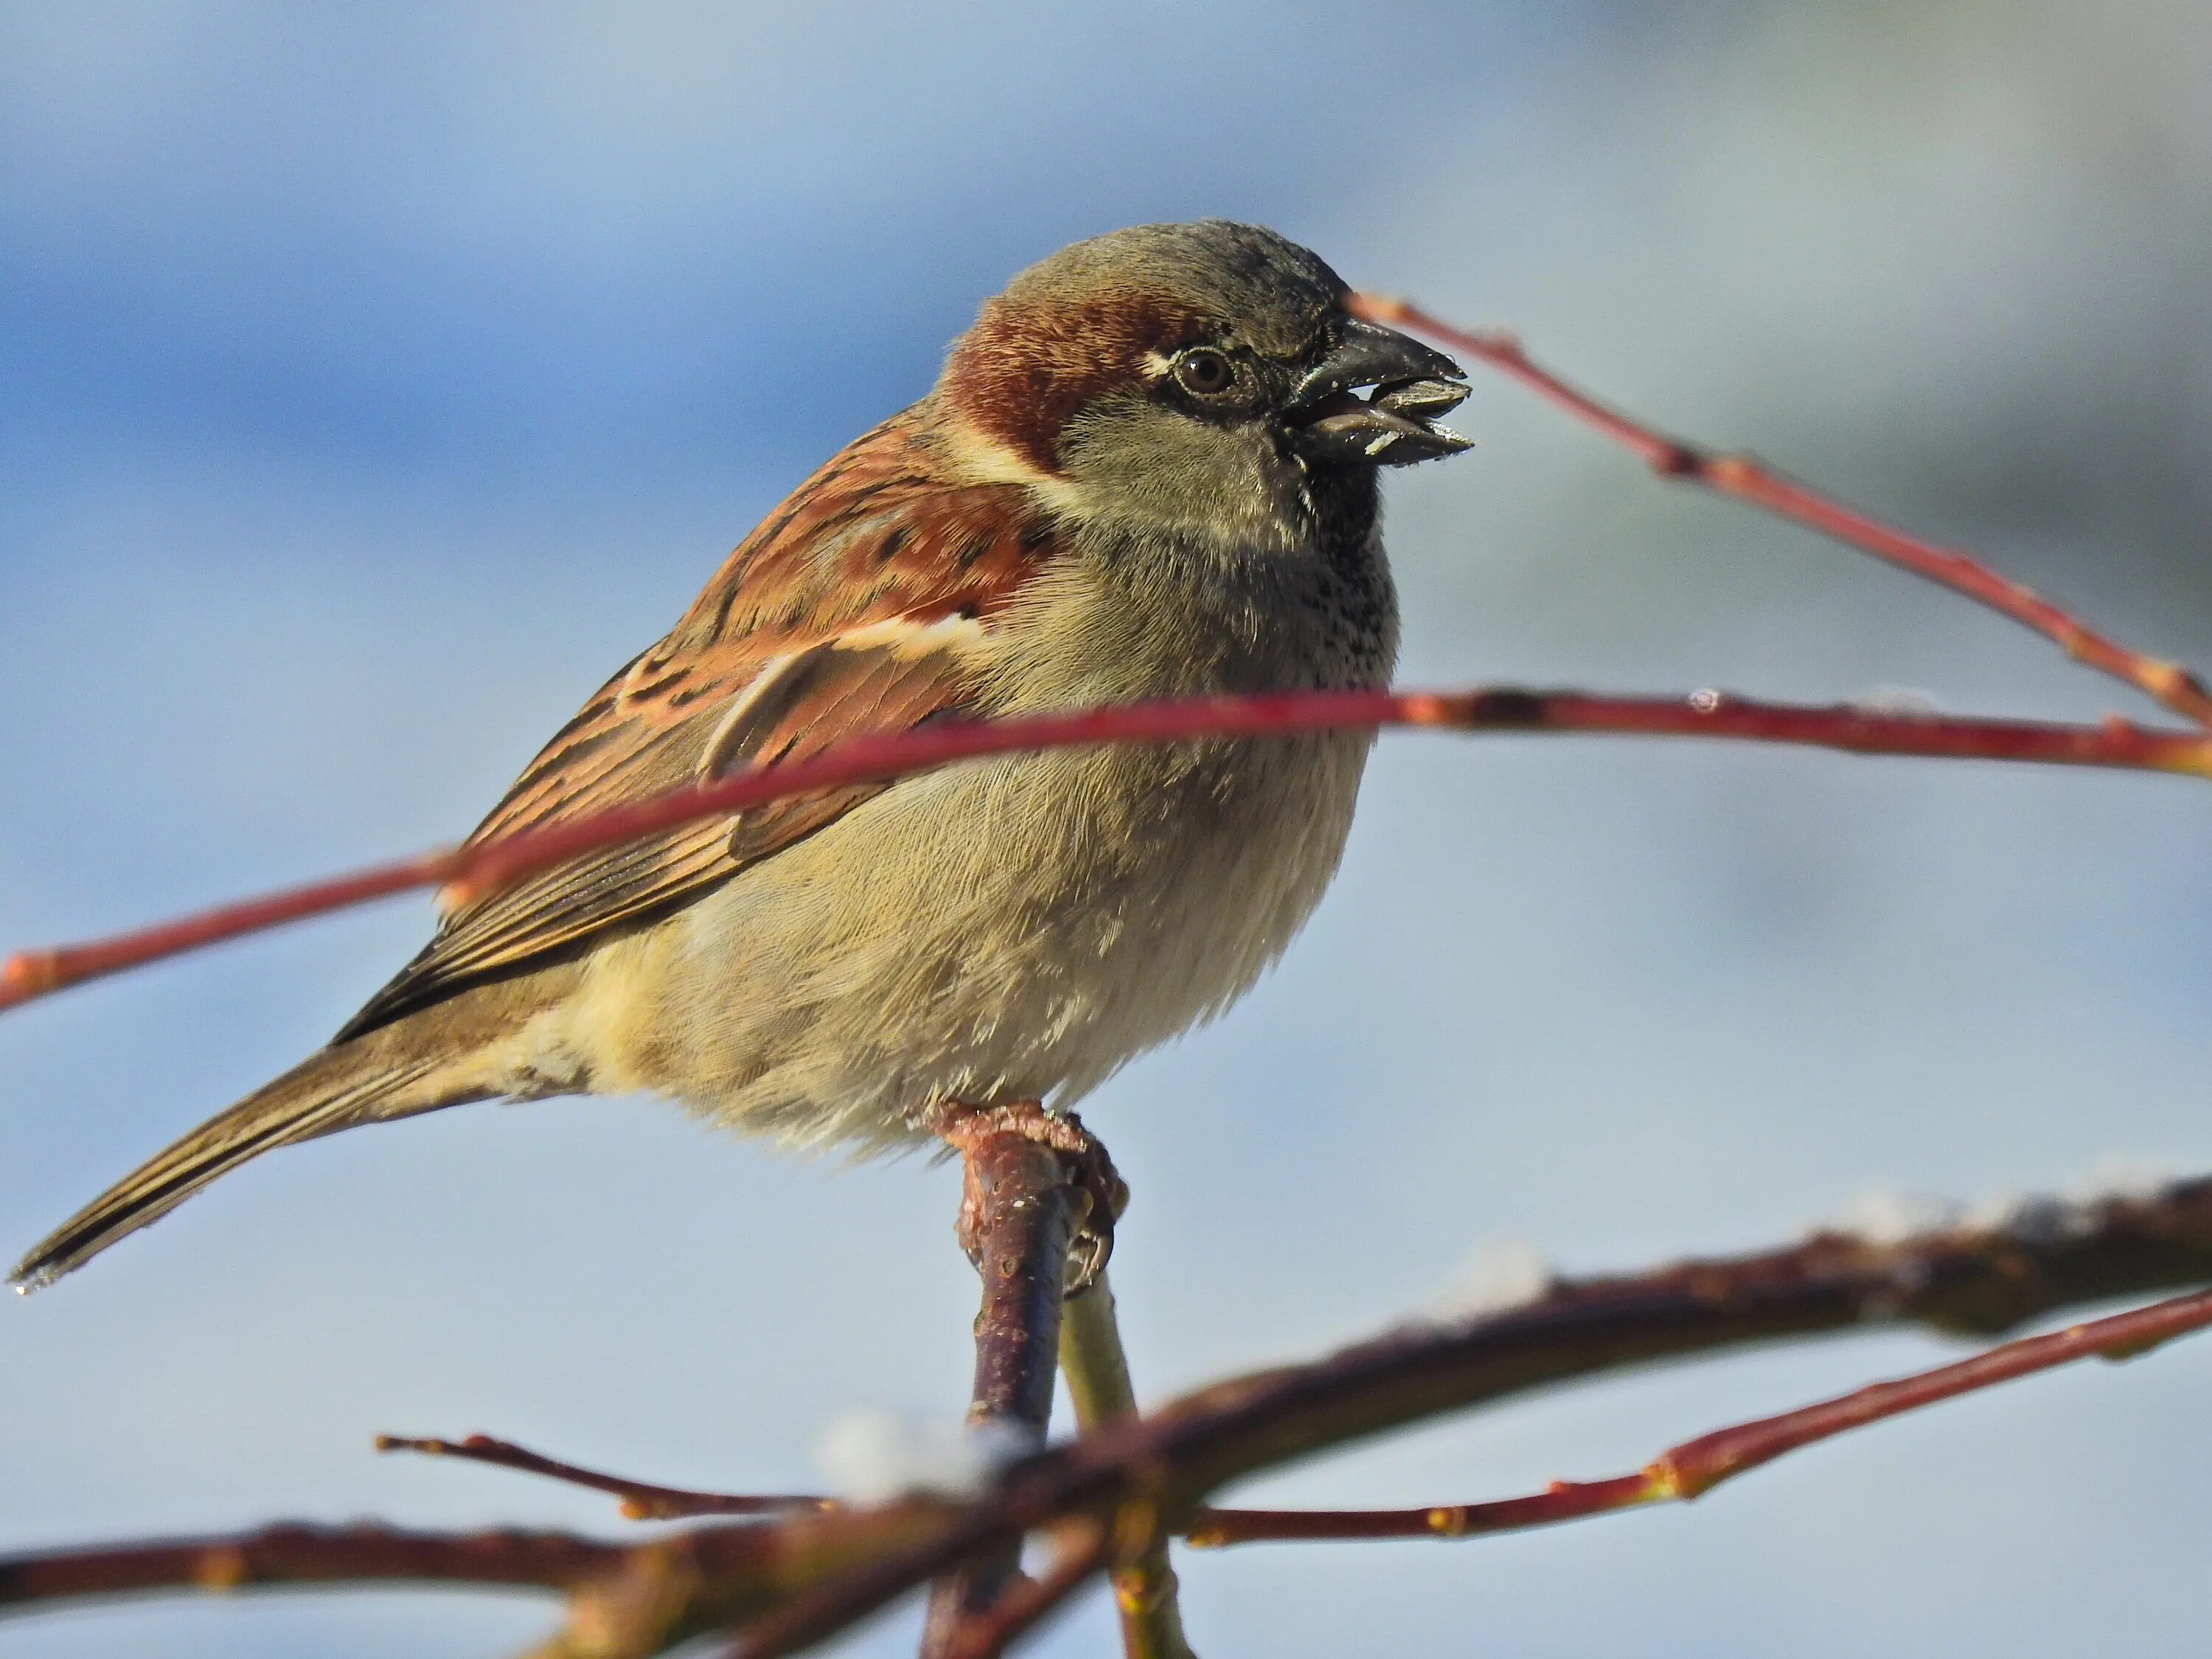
[[1748, 479], [808, 1575], [1562, 1500], [642, 1500], [1696, 1467], [1173, 1459], [470, 871], [1679, 1474]]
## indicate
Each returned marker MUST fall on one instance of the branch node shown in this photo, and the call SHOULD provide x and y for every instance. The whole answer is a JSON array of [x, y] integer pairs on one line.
[[28, 974], [1673, 457]]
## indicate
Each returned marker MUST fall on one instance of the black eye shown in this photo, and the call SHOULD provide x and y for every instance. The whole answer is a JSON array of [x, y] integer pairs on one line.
[[1204, 372]]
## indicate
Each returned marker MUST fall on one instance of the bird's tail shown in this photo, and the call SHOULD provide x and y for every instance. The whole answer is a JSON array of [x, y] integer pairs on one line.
[[346, 1083]]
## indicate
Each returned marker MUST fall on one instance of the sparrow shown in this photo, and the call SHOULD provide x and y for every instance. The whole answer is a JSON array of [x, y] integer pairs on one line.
[[1145, 471]]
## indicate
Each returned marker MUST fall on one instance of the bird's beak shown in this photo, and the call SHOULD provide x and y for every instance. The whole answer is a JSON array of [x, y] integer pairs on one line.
[[1413, 385]]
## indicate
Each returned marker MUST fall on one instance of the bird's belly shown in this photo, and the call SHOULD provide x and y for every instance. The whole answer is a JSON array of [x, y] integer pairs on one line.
[[1003, 930]]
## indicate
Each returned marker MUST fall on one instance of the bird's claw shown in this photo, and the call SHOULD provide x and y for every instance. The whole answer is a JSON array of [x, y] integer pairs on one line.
[[1087, 1169]]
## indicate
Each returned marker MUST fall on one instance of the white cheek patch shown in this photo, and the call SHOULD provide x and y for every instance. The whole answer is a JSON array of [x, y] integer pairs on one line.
[[977, 459]]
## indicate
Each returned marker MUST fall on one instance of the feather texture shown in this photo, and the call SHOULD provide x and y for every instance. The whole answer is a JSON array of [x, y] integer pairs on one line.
[[1070, 517], [857, 609]]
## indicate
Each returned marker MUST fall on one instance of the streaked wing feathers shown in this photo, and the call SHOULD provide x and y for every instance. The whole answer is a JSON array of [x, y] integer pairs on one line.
[[851, 610]]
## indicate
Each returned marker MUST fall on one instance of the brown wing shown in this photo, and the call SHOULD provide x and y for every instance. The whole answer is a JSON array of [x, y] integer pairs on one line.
[[851, 610]]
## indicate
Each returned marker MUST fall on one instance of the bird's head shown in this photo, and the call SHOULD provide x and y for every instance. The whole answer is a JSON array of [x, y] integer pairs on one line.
[[1201, 377]]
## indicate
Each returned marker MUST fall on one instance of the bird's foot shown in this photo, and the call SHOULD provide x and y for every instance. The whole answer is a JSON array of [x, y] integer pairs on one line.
[[1083, 1159]]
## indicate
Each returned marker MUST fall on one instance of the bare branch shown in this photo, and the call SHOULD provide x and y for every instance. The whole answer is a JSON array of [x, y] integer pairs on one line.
[[307, 1555], [625, 1600], [805, 1577], [1146, 1592], [986, 1634], [1746, 479], [2037, 1255], [1018, 1219], [642, 1500], [487, 866], [1562, 1500], [1161, 1467], [1696, 1467]]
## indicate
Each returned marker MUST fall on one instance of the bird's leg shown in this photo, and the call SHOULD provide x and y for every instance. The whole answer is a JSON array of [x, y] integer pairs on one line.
[[1083, 1159]]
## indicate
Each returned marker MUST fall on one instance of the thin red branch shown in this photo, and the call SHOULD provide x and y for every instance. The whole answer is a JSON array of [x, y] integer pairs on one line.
[[1969, 1278], [474, 870], [1748, 479], [1167, 1463], [1696, 1467], [1562, 1500], [642, 1500]]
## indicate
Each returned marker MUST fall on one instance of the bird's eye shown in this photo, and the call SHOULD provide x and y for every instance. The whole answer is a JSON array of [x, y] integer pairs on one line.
[[1204, 372]]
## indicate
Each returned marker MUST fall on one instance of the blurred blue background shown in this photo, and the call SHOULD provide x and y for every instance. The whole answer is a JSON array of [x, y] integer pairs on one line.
[[372, 380]]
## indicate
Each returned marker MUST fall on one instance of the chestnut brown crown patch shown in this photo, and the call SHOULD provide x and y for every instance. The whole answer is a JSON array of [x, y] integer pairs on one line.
[[1022, 372]]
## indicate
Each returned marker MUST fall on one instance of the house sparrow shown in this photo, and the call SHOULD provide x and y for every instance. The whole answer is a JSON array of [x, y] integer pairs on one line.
[[1145, 472]]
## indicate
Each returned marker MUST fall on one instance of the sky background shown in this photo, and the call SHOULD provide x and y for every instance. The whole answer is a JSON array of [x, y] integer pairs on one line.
[[374, 380]]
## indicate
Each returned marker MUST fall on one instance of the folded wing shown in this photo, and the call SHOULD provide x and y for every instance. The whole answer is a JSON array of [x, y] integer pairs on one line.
[[858, 608]]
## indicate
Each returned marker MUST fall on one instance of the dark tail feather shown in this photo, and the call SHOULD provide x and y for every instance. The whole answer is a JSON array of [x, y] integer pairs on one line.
[[341, 1085]]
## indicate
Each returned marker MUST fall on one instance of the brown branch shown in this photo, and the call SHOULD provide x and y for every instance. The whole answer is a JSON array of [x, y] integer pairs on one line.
[[1146, 1592], [1018, 1219], [1162, 1467], [307, 1555], [625, 1600], [988, 1633], [1562, 1500], [1746, 479], [642, 1500], [483, 868], [1696, 1467], [805, 1577], [2043, 1254]]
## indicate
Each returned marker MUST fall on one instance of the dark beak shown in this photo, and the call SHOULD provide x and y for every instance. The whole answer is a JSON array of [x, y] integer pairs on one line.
[[1413, 385]]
